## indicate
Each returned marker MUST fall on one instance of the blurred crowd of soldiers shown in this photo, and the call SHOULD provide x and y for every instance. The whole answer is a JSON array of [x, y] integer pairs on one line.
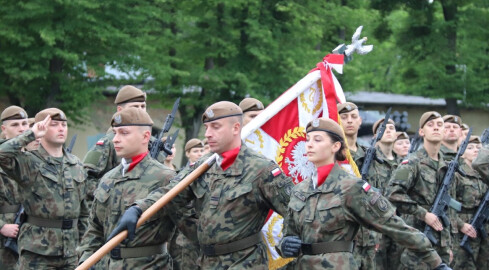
[[57, 210]]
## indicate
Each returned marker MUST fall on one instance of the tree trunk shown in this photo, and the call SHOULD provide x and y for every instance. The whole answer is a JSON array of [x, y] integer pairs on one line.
[[450, 16], [452, 106], [55, 69]]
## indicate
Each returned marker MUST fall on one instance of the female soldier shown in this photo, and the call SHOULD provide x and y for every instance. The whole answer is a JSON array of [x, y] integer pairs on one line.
[[326, 210], [402, 144], [470, 192]]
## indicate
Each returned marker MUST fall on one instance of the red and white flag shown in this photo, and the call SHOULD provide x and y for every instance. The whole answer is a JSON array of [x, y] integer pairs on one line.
[[279, 132]]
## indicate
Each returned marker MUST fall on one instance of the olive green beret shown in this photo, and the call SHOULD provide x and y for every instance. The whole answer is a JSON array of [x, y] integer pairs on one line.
[[56, 114], [251, 104], [13, 113], [427, 116], [475, 139], [129, 93], [221, 109], [379, 122], [325, 124], [193, 143], [452, 119], [402, 136], [31, 121], [465, 126], [346, 107], [131, 117]]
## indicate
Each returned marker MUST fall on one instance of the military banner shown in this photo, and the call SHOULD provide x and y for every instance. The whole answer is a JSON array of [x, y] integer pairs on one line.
[[279, 132]]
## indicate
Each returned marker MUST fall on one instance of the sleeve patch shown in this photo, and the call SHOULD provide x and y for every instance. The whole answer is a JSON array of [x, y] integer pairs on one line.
[[366, 186], [100, 142], [406, 161], [276, 172]]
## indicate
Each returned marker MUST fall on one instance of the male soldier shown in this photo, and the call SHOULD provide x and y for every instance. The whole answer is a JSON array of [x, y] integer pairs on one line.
[[251, 107], [52, 185], [133, 179], [367, 241], [185, 252], [232, 198], [451, 135], [414, 185], [102, 157], [481, 163], [14, 123]]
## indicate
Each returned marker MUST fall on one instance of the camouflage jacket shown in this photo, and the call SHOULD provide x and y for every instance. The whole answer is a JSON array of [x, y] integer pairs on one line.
[[113, 196], [9, 195], [231, 205], [413, 188], [448, 154], [481, 164], [335, 210], [50, 190], [470, 192]]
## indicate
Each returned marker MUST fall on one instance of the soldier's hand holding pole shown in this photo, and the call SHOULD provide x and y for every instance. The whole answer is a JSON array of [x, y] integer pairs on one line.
[[129, 220]]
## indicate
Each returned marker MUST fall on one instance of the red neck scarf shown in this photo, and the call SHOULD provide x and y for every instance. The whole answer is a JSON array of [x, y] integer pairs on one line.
[[136, 160], [229, 157], [323, 173]]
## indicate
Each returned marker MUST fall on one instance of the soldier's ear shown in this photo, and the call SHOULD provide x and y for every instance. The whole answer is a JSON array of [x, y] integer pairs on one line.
[[3, 128], [119, 108], [421, 132]]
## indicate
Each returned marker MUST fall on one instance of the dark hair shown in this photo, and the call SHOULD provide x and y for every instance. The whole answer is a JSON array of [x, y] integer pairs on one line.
[[340, 155]]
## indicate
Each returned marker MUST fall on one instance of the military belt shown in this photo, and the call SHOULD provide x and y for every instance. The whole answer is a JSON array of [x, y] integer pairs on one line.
[[119, 253], [467, 211], [220, 249], [64, 224], [6, 209], [327, 247]]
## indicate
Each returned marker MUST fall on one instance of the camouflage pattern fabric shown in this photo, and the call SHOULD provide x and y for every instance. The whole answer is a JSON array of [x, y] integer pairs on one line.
[[9, 195], [52, 188], [334, 212], [113, 196], [481, 163], [448, 154], [412, 189], [470, 192], [231, 205]]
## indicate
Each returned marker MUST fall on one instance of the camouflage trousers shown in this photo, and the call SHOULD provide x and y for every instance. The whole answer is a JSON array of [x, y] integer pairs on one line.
[[389, 254], [185, 253], [464, 261], [31, 260], [254, 257], [411, 261], [8, 259], [365, 257]]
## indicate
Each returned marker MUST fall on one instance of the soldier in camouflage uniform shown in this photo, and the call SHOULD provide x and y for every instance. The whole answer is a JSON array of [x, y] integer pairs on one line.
[[326, 210], [251, 108], [185, 252], [481, 163], [133, 179], [232, 198], [451, 136], [414, 185], [470, 192], [14, 123], [102, 157], [52, 185], [401, 145]]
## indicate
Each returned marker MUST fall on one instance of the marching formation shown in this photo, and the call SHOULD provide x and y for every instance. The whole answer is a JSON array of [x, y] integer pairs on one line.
[[416, 204]]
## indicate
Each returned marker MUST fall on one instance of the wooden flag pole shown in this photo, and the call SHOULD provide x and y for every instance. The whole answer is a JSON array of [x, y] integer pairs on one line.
[[152, 210]]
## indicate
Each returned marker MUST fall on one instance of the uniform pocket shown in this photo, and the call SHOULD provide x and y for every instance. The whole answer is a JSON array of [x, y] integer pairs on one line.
[[331, 213], [238, 191]]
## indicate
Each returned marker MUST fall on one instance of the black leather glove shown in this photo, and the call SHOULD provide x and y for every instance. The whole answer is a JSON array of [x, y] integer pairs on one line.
[[443, 266], [128, 222], [291, 246]]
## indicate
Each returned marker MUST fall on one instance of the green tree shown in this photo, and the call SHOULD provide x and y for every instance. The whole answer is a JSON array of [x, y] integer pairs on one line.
[[53, 53]]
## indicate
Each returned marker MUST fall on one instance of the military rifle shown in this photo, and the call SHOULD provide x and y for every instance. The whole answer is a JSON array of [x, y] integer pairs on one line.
[[443, 199], [69, 149], [157, 145], [11, 243], [485, 136], [370, 155], [415, 142], [169, 143]]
